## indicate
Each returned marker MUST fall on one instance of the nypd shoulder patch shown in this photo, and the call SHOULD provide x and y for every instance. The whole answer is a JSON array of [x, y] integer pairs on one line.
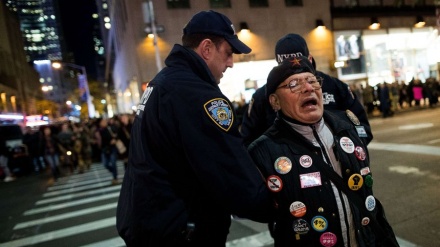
[[220, 112]]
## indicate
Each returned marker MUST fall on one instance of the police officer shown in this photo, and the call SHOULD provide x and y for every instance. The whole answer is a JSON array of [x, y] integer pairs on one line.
[[336, 94], [188, 170], [317, 166]]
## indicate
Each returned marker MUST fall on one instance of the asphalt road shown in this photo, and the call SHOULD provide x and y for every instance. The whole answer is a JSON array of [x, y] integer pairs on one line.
[[79, 210]]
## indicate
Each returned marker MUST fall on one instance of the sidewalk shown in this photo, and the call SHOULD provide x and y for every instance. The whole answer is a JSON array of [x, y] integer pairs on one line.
[[377, 114]]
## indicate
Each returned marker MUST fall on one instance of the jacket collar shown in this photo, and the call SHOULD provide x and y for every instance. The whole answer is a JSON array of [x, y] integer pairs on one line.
[[186, 58], [282, 132]]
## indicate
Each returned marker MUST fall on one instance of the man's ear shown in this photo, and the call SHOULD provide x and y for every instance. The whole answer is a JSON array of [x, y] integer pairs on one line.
[[274, 102], [205, 48]]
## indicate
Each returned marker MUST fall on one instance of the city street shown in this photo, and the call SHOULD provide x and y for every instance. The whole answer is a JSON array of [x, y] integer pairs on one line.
[[79, 210]]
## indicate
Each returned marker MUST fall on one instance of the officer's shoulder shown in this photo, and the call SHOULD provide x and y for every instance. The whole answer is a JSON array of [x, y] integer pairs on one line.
[[340, 116], [260, 92], [329, 77]]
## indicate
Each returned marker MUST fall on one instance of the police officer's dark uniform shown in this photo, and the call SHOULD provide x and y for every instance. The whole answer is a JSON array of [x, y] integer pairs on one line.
[[309, 208], [337, 95], [188, 170]]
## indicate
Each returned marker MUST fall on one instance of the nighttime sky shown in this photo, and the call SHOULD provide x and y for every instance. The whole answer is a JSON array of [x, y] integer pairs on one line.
[[77, 25]]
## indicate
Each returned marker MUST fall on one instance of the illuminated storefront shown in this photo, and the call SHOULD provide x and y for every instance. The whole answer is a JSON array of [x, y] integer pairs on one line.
[[387, 55]]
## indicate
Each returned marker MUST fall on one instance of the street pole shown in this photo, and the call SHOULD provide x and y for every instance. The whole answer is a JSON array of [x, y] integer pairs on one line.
[[153, 27], [150, 19], [82, 80]]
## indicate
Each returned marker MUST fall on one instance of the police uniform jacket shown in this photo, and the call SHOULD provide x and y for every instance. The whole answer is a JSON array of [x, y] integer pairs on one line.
[[337, 96], [305, 225], [188, 170]]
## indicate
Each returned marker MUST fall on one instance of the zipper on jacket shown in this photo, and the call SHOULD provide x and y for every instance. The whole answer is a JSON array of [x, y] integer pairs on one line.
[[328, 161]]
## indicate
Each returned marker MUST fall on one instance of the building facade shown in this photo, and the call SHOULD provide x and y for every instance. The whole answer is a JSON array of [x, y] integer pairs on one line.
[[19, 85], [138, 57], [39, 28]]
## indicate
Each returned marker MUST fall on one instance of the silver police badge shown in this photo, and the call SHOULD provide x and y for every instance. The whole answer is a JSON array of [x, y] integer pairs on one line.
[[220, 112], [352, 117]]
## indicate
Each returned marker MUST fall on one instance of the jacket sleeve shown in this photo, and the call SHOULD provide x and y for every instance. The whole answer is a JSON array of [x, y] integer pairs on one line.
[[254, 119], [215, 151]]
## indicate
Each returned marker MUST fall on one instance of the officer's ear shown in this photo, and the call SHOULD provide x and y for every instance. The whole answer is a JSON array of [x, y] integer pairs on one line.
[[205, 48], [274, 102]]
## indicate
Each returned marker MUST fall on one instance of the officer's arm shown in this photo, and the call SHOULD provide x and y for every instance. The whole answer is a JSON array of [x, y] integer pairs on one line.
[[214, 148]]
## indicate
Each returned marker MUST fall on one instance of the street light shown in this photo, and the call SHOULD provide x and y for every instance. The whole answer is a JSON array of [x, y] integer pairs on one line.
[[83, 83]]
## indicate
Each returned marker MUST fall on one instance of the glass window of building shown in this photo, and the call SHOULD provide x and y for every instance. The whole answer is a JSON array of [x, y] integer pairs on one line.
[[293, 2], [349, 55], [387, 55], [178, 4], [258, 3], [220, 3]]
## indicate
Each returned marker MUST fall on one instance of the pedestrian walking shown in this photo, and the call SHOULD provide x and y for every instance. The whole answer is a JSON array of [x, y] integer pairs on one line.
[[31, 139], [124, 135], [4, 158], [66, 141], [50, 149], [109, 153], [385, 100]]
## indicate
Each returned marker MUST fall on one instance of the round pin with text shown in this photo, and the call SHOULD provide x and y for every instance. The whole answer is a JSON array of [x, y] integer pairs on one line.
[[283, 165], [355, 182], [305, 161], [274, 183], [347, 145], [298, 209], [319, 223], [300, 226], [328, 239]]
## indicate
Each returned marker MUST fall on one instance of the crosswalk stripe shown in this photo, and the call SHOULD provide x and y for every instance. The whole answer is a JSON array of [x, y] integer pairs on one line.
[[76, 195], [76, 189], [406, 148], [114, 242], [69, 231], [78, 184], [71, 204], [65, 216], [257, 240]]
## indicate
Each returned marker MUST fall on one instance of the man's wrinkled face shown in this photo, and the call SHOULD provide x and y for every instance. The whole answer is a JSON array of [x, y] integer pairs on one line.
[[303, 103]]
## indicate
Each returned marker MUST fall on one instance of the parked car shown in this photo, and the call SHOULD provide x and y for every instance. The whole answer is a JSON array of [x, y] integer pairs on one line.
[[18, 158]]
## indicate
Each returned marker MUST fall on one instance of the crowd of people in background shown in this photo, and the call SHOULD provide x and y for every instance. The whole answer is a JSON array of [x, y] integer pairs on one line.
[[72, 147], [388, 98]]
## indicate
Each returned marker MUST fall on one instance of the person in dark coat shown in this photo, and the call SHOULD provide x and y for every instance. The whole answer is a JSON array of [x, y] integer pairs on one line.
[[124, 133], [337, 94], [188, 171], [49, 147], [4, 158], [107, 140], [316, 165], [31, 139], [384, 99]]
